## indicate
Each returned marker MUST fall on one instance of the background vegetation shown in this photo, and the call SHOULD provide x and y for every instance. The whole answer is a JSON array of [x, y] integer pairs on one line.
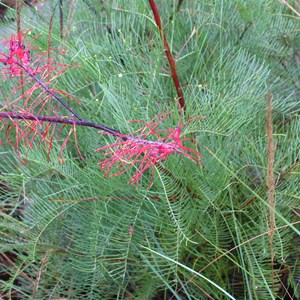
[[229, 230]]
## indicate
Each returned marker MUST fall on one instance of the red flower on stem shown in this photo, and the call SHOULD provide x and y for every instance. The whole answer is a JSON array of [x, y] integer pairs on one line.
[[32, 95], [143, 153]]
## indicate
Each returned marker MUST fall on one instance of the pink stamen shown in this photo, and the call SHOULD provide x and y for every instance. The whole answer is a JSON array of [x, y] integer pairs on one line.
[[144, 153]]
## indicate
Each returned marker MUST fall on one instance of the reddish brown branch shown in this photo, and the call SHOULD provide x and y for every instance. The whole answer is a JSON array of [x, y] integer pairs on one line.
[[171, 60], [59, 120]]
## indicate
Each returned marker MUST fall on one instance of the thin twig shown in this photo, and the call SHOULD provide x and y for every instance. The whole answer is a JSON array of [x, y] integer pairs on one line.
[[39, 273], [18, 11], [178, 5], [185, 44], [177, 9], [248, 25], [59, 120], [71, 8], [50, 92], [294, 165], [169, 55], [50, 44], [290, 7], [61, 19]]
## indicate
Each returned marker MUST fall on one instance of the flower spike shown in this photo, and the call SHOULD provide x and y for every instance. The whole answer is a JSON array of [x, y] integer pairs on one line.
[[143, 152]]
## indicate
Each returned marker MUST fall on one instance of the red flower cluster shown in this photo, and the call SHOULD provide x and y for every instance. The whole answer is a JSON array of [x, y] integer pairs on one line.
[[18, 58], [35, 74], [143, 152], [31, 95]]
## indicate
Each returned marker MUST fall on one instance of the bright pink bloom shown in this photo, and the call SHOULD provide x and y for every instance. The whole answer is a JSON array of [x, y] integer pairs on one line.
[[32, 95], [18, 58], [143, 152]]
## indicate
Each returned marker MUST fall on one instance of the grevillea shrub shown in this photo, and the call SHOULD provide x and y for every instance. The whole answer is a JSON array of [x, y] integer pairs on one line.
[[150, 150]]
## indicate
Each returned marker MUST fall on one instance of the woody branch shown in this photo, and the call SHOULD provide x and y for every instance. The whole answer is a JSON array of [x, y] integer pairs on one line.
[[171, 60]]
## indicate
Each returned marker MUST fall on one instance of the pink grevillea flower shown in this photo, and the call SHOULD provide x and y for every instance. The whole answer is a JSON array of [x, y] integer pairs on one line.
[[18, 57], [145, 150], [35, 71]]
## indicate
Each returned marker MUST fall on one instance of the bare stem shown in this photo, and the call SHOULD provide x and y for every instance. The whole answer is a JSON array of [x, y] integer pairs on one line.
[[61, 19], [169, 55], [50, 92], [60, 120]]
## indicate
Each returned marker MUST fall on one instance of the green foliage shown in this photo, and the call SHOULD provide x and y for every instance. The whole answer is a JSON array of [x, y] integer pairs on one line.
[[68, 232]]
